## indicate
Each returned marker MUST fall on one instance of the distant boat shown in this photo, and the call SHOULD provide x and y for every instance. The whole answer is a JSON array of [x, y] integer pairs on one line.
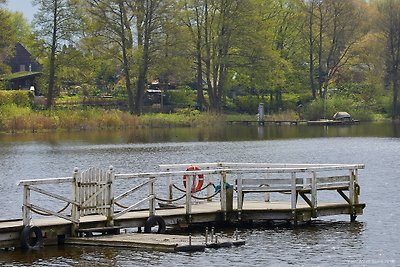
[[340, 118]]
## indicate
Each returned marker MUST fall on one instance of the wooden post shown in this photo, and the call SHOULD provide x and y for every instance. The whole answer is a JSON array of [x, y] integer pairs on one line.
[[75, 205], [352, 194], [293, 192], [189, 194], [209, 189], [267, 195], [356, 191], [294, 198], [152, 198], [169, 192], [239, 194], [26, 212], [223, 192], [351, 188], [314, 200], [110, 197]]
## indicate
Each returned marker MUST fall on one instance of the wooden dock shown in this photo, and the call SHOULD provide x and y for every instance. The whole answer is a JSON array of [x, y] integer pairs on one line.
[[267, 122], [332, 122], [250, 192], [294, 122], [160, 242]]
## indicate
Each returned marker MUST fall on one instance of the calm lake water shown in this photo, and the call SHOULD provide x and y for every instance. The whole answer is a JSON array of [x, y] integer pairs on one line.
[[371, 241]]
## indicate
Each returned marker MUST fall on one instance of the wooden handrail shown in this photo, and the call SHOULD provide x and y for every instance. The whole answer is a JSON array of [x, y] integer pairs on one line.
[[292, 178]]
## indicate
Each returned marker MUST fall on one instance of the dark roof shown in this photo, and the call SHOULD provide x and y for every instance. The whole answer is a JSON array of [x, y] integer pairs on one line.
[[22, 75], [22, 60]]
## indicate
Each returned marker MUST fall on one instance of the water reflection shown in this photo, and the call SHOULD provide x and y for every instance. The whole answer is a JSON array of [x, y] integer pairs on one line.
[[216, 133]]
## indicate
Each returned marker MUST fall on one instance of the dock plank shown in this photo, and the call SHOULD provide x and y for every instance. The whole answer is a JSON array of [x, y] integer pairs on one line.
[[203, 208], [205, 212], [162, 242]]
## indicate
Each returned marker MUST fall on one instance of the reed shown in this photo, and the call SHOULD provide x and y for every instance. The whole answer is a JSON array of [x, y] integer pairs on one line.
[[14, 118], [180, 119]]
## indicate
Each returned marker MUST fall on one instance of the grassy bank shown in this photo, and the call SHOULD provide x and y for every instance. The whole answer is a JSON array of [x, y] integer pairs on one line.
[[17, 115], [15, 118]]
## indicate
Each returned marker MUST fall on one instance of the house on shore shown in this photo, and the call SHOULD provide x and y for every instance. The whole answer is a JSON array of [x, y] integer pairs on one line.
[[24, 71]]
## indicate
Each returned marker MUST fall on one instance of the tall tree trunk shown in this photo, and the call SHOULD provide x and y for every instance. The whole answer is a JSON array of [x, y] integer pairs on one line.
[[208, 56], [52, 63], [311, 52], [199, 66], [125, 47], [142, 79], [271, 102], [144, 27], [395, 80], [321, 72]]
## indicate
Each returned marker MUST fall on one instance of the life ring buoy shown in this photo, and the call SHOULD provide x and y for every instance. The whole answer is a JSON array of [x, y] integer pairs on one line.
[[198, 180], [154, 221], [31, 237]]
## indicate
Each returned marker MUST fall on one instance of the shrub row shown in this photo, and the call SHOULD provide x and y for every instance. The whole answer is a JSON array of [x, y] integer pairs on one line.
[[20, 98]]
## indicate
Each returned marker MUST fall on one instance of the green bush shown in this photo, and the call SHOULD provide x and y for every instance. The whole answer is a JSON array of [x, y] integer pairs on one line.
[[248, 104], [290, 101], [317, 109], [14, 118], [181, 98], [19, 98]]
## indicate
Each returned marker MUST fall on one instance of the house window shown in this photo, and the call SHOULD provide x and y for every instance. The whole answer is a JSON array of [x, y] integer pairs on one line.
[[21, 67]]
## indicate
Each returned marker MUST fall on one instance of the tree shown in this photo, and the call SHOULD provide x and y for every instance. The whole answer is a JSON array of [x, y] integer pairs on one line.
[[56, 24], [389, 24], [193, 18], [7, 38], [148, 18], [112, 31], [221, 24], [333, 28], [125, 29], [23, 29]]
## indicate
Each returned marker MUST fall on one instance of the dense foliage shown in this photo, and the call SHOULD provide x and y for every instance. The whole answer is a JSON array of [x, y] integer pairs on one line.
[[18, 98], [312, 57]]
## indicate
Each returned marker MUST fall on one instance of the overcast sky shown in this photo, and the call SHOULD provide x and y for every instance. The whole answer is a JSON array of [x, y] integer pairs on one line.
[[24, 6]]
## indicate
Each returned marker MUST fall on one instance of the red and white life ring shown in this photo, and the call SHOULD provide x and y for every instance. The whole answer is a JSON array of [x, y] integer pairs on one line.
[[197, 180]]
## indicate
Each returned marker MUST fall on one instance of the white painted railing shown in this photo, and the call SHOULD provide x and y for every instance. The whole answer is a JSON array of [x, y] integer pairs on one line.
[[295, 179], [94, 191]]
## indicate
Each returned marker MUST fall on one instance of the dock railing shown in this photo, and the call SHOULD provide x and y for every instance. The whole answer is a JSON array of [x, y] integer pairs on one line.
[[95, 191], [304, 180]]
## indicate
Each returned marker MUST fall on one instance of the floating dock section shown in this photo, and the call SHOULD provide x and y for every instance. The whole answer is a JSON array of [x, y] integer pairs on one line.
[[160, 242]]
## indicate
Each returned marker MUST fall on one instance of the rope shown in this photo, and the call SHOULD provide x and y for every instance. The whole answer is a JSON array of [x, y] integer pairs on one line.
[[204, 198], [48, 214], [179, 189], [184, 190], [210, 184], [170, 200], [120, 205]]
